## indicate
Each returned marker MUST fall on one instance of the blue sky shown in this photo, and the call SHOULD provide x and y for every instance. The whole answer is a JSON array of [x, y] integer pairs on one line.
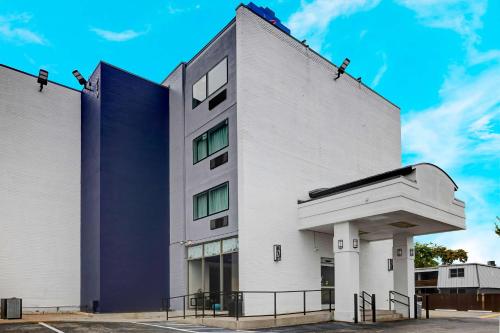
[[439, 60]]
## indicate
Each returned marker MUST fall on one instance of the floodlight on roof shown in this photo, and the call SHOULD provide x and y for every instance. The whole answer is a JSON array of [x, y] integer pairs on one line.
[[43, 78], [79, 77], [342, 67]]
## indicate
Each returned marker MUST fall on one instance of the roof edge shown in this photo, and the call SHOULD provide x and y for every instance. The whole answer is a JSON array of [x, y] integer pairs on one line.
[[35, 76]]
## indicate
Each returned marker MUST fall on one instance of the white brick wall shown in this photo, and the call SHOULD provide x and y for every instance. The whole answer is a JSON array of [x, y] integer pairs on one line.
[[39, 191], [298, 130]]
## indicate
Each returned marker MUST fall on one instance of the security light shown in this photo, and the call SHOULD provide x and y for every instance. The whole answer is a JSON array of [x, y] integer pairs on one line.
[[359, 79], [43, 77], [80, 78], [342, 68]]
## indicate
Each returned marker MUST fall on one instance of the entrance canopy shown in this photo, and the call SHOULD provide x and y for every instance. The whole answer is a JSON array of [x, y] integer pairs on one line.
[[417, 199]]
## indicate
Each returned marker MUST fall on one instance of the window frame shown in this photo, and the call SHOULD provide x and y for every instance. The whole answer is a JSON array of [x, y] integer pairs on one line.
[[207, 192], [216, 127], [206, 80], [457, 273]]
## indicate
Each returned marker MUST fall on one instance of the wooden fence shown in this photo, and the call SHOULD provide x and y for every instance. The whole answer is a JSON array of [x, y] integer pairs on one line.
[[463, 302]]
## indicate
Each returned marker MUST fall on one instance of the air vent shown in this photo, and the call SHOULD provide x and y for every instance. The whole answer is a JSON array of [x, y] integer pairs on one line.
[[218, 223], [217, 99], [219, 160]]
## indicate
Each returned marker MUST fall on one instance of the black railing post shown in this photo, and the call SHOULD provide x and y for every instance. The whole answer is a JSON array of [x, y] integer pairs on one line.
[[363, 307], [330, 299], [168, 306], [213, 305], [390, 301], [356, 308], [409, 302], [237, 305], [184, 306], [373, 309], [196, 306], [203, 306], [415, 313], [426, 306], [304, 302], [274, 305]]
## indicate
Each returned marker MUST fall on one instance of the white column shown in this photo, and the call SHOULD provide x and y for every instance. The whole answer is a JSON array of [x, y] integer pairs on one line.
[[403, 254], [346, 235]]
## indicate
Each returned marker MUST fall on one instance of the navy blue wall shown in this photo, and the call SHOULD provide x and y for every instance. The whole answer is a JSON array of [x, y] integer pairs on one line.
[[90, 195], [134, 193]]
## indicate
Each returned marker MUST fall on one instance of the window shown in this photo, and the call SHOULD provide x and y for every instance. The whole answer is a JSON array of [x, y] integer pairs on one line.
[[217, 77], [456, 272], [200, 148], [210, 83], [211, 202], [210, 142], [199, 91]]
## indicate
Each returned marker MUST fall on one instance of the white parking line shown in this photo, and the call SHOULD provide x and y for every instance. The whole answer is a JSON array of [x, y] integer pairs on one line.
[[51, 328], [167, 327]]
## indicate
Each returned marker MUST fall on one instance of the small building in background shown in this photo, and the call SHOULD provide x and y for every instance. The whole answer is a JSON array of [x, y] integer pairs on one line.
[[458, 279]]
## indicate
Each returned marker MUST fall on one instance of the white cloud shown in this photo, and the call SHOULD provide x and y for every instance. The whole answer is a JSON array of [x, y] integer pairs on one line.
[[462, 128], [460, 16], [362, 34], [313, 18], [171, 9], [381, 71], [121, 36], [13, 28]]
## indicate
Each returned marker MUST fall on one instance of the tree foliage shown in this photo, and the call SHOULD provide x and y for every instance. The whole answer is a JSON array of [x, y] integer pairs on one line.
[[427, 255]]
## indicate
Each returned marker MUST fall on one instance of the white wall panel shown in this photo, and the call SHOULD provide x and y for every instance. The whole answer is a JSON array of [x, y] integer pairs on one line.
[[298, 130], [39, 191]]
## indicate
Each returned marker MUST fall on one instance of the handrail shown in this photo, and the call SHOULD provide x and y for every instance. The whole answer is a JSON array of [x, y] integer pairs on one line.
[[363, 301], [231, 303], [394, 300]]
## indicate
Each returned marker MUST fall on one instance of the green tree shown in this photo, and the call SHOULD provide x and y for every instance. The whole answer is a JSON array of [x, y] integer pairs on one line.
[[497, 227], [427, 255]]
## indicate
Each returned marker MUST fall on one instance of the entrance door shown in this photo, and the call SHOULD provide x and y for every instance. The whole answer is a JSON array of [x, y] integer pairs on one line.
[[327, 281]]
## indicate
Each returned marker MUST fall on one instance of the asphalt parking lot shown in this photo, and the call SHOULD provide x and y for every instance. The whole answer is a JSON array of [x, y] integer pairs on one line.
[[436, 325]]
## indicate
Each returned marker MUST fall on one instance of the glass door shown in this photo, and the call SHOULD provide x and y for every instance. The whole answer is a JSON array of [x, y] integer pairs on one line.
[[327, 281]]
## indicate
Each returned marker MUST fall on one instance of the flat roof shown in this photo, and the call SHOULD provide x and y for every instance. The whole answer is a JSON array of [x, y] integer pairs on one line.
[[36, 76], [454, 265]]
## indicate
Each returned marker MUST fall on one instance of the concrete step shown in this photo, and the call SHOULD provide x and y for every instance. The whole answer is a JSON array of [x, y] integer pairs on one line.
[[382, 315]]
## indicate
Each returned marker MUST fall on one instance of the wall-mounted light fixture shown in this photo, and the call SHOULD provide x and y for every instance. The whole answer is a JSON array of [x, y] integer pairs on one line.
[[340, 244], [342, 68], [43, 78], [277, 252], [399, 252], [390, 264], [412, 252], [355, 243]]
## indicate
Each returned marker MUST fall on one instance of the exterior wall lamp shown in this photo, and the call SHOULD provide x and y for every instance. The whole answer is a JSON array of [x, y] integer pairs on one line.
[[390, 264], [340, 244], [399, 252], [355, 243]]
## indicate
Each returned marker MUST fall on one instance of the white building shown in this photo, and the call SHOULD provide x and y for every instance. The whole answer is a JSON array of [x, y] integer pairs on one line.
[[458, 279], [291, 126], [284, 175]]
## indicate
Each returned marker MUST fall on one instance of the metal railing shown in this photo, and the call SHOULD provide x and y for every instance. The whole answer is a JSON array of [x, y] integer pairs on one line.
[[392, 299], [366, 298], [232, 303]]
